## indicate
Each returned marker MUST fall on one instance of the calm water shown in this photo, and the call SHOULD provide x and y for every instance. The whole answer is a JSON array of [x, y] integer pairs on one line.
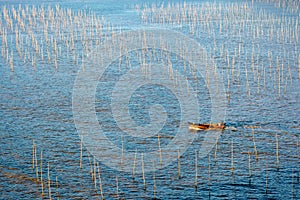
[[262, 105]]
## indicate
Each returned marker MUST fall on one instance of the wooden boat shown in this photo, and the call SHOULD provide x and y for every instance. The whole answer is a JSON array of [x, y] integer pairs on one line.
[[198, 127]]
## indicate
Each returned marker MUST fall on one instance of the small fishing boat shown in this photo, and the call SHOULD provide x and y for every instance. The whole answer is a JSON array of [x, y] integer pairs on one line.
[[198, 127]]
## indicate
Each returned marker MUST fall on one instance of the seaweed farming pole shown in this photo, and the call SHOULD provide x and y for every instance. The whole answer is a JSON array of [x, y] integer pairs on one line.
[[134, 164], [277, 152], [247, 82], [209, 170], [299, 67], [11, 61], [279, 80], [117, 186], [41, 168], [154, 181], [122, 158], [216, 150], [56, 183], [36, 164], [267, 176], [159, 149], [80, 161], [254, 145], [33, 154], [95, 173], [49, 182], [293, 187], [232, 159], [298, 156], [196, 169], [91, 167], [100, 181], [143, 172]]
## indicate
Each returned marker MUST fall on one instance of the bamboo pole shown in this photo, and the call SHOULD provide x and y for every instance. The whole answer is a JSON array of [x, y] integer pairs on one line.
[[134, 164], [36, 164], [117, 186], [298, 156], [56, 183], [49, 182], [247, 83], [299, 66], [41, 173], [95, 173], [254, 145], [33, 154], [80, 160], [209, 170], [178, 158], [232, 159], [249, 167], [11, 61], [293, 189], [154, 181], [100, 181], [91, 167], [267, 176], [277, 151], [122, 159], [159, 149], [216, 149], [196, 169], [143, 172]]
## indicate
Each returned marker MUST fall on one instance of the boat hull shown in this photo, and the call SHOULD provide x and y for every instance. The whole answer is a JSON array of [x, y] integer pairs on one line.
[[199, 127]]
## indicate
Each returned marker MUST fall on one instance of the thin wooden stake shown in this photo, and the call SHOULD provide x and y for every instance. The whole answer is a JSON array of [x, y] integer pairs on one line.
[[91, 167], [154, 181], [33, 154], [160, 153], [100, 181], [208, 169], [232, 158], [247, 83], [36, 164], [293, 189], [49, 182], [249, 165], [216, 149], [117, 186], [80, 162], [95, 173], [277, 151], [56, 180], [122, 159], [178, 158], [298, 156], [255, 150], [196, 169], [41, 169], [267, 176], [134, 164], [143, 172]]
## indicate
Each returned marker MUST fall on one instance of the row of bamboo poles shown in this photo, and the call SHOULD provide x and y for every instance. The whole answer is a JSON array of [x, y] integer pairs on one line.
[[257, 162], [230, 19], [43, 34], [290, 6], [234, 22]]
